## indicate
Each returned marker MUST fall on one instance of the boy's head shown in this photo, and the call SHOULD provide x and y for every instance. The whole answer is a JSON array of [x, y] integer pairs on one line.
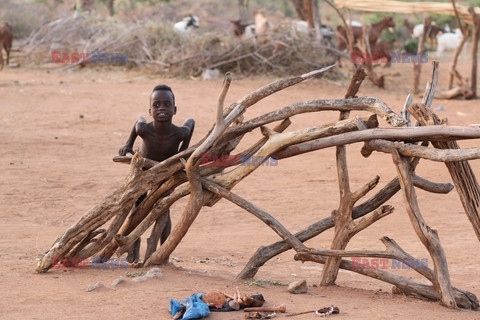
[[163, 87], [162, 103]]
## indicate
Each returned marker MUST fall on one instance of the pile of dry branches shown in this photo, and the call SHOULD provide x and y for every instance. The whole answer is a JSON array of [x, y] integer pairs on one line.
[[155, 45], [205, 185]]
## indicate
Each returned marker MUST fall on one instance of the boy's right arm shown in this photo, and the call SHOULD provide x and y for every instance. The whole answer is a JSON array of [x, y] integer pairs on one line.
[[128, 147]]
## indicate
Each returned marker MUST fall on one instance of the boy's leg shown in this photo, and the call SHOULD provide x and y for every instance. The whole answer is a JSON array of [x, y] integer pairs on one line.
[[168, 228], [134, 254], [160, 232]]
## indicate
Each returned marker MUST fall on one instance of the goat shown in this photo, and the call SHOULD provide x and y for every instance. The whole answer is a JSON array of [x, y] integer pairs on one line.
[[262, 25], [354, 23], [448, 41], [416, 31], [243, 31], [373, 34], [301, 27], [432, 32], [382, 48], [6, 38], [211, 74], [187, 24], [409, 26]]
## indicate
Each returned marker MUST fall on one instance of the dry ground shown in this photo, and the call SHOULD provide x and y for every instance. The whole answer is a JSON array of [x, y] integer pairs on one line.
[[59, 132]]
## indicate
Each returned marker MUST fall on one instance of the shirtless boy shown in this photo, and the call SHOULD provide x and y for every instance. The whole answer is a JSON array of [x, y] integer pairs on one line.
[[161, 140]]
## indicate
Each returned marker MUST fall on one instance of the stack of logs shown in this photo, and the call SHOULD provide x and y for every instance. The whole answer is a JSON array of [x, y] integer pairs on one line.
[[205, 185]]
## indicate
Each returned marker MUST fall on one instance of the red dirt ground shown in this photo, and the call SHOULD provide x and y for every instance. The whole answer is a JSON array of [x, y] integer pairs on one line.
[[60, 131]]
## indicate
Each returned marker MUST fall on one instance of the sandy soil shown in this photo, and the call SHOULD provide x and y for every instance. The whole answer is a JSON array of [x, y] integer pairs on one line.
[[59, 132]]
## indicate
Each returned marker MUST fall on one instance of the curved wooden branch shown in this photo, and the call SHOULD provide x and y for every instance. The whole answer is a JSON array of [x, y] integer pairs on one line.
[[370, 104], [431, 133], [411, 150], [462, 173], [271, 88], [431, 85], [428, 236]]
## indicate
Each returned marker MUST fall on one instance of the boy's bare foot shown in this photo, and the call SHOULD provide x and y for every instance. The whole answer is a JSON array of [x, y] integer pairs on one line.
[[134, 254]]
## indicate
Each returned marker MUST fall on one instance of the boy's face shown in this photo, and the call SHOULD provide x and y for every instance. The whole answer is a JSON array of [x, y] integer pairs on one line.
[[162, 107]]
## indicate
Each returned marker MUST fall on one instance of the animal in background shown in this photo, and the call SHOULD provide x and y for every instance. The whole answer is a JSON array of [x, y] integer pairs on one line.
[[243, 31], [416, 31], [187, 24], [262, 24], [300, 27], [410, 26], [6, 38], [384, 48], [448, 41], [373, 34], [354, 23]]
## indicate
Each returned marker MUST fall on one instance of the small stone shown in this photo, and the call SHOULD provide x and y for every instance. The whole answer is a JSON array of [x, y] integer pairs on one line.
[[298, 287], [154, 272], [95, 286], [117, 281], [140, 279]]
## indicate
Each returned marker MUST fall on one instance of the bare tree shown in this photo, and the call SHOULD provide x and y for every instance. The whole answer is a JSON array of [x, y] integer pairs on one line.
[[308, 10], [110, 7], [243, 9], [299, 9]]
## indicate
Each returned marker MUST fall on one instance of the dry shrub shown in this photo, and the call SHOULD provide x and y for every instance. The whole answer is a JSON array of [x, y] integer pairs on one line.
[[155, 46]]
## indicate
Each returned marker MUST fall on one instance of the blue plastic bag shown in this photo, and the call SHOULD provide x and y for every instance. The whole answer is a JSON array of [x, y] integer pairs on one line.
[[195, 307]]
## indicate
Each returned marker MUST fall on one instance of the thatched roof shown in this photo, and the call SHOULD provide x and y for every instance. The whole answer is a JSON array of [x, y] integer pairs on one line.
[[407, 7]]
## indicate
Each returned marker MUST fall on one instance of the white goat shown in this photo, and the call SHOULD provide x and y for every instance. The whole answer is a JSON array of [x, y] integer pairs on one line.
[[417, 31], [354, 23], [249, 32], [301, 27], [187, 24], [448, 41]]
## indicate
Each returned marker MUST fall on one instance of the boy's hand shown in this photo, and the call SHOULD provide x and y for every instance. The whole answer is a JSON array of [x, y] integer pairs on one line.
[[124, 150]]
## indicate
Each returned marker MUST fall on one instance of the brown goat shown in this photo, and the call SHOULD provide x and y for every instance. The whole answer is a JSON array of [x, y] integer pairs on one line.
[[373, 34], [382, 48], [409, 26], [6, 38], [241, 30]]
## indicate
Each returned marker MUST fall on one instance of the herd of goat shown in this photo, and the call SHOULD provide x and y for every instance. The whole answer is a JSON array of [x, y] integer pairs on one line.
[[441, 37]]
